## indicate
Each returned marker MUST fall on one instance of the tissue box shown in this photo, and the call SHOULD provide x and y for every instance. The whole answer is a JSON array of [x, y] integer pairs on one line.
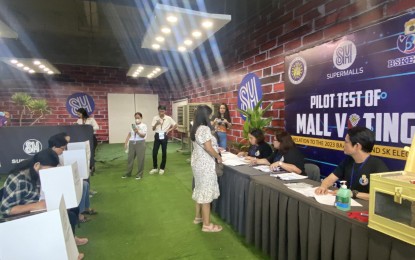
[[392, 206]]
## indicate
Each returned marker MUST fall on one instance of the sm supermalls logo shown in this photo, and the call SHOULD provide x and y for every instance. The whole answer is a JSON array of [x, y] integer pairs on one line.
[[32, 146], [80, 100], [250, 92]]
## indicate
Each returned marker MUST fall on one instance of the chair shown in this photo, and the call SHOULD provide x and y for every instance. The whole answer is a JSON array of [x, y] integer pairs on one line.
[[313, 171]]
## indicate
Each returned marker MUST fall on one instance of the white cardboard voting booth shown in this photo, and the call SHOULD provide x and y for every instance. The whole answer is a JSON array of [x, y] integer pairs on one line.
[[58, 181], [42, 236], [80, 157], [81, 146]]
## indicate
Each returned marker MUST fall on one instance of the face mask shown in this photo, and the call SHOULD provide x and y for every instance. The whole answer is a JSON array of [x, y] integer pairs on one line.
[[138, 121]]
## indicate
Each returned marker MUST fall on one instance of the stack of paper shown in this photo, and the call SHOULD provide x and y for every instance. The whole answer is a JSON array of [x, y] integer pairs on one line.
[[289, 176], [330, 199]]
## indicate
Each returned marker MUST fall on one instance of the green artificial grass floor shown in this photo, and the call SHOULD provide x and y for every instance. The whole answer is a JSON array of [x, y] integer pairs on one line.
[[152, 218]]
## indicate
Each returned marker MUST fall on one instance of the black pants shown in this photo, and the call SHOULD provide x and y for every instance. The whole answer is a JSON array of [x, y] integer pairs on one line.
[[156, 146]]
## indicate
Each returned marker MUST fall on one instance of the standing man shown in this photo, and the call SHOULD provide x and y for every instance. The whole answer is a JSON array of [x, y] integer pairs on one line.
[[357, 167], [162, 125]]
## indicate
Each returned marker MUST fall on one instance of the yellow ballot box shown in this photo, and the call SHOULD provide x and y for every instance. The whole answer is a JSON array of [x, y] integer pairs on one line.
[[392, 201]]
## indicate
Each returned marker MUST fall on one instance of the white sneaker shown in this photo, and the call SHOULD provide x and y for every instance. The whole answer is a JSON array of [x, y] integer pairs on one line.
[[153, 171], [161, 172]]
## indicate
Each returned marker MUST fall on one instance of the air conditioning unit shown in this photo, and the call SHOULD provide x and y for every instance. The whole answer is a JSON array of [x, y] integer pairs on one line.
[[185, 115]]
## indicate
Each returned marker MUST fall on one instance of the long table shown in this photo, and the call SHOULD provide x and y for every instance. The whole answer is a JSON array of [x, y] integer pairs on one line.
[[288, 225]]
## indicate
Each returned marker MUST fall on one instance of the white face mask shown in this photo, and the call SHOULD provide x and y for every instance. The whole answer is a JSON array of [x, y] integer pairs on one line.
[[138, 121]]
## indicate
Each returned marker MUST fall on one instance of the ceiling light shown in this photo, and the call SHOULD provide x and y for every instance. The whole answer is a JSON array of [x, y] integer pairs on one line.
[[181, 48], [196, 34], [207, 24], [171, 19], [155, 46], [188, 42], [190, 21], [26, 65], [160, 39], [165, 30], [145, 71]]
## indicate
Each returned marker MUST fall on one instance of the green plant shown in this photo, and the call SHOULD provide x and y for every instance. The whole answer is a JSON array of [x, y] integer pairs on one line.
[[40, 107], [255, 118], [22, 99]]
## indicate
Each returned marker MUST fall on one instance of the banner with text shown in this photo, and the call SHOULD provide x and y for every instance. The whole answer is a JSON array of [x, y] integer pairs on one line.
[[362, 79]]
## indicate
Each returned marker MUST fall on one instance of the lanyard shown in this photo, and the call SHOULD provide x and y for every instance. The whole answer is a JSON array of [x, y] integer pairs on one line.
[[358, 170]]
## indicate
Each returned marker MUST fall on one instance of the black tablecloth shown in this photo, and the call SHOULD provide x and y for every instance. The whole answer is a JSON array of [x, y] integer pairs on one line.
[[287, 225], [234, 186]]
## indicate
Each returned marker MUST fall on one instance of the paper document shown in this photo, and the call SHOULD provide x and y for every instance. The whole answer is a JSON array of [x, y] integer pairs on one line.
[[330, 199], [233, 162], [289, 176], [303, 188], [262, 168]]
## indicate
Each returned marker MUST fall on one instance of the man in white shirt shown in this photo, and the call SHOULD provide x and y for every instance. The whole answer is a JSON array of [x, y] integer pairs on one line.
[[162, 125]]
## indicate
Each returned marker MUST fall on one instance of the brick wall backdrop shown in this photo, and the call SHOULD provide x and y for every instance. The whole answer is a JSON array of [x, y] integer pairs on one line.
[[97, 82], [260, 44]]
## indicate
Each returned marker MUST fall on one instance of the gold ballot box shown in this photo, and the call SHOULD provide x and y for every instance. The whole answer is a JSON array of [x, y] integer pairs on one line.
[[392, 201]]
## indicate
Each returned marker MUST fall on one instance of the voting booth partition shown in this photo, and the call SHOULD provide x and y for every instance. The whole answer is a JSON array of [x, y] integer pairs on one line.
[[42, 236], [80, 157], [61, 181]]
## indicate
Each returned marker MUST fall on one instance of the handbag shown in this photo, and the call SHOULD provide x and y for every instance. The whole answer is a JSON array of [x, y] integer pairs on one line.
[[218, 168]]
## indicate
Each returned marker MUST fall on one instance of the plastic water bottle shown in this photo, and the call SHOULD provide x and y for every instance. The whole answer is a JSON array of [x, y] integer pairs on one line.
[[343, 197]]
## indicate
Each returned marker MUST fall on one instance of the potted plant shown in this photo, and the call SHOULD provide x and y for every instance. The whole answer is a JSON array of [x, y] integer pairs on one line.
[[39, 107], [22, 99], [255, 118]]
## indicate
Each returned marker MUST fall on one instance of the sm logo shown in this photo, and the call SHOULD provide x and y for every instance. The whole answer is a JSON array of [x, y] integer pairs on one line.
[[32, 146], [80, 100], [250, 92], [344, 55]]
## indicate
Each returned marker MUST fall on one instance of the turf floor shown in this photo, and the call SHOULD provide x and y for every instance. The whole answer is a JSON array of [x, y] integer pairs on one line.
[[152, 218]]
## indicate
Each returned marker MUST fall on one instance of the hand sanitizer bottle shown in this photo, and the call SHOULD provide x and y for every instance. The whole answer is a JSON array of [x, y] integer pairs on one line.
[[343, 197]]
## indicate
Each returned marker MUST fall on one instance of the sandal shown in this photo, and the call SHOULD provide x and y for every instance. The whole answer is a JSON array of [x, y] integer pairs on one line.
[[211, 228], [197, 221], [90, 212]]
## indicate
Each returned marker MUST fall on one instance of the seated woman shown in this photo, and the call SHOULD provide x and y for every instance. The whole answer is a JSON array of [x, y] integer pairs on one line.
[[286, 155], [259, 148]]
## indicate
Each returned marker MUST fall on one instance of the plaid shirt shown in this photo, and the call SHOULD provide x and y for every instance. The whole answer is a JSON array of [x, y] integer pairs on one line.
[[18, 190]]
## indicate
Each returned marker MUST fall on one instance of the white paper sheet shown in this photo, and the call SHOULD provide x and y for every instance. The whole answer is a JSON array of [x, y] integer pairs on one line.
[[289, 176], [329, 199]]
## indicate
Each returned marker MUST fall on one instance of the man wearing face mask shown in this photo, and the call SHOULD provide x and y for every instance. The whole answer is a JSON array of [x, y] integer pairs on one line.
[[135, 144]]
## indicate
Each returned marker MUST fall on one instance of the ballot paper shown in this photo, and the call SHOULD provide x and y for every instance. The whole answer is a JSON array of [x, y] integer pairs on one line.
[[303, 188], [262, 168], [288, 176], [330, 199], [233, 162]]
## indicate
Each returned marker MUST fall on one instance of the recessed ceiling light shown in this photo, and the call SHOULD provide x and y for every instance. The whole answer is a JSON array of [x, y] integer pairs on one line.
[[171, 19], [196, 34], [160, 39], [155, 46], [36, 62], [207, 24], [135, 75], [50, 72], [188, 42], [41, 66], [157, 69], [26, 68], [165, 30], [141, 68], [181, 48], [14, 61], [31, 71], [19, 65], [27, 65]]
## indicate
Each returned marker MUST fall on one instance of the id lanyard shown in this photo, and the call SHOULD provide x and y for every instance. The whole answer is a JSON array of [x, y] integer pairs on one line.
[[358, 170]]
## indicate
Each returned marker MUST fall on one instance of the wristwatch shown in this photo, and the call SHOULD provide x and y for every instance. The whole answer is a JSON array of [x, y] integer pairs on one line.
[[279, 163], [355, 192]]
